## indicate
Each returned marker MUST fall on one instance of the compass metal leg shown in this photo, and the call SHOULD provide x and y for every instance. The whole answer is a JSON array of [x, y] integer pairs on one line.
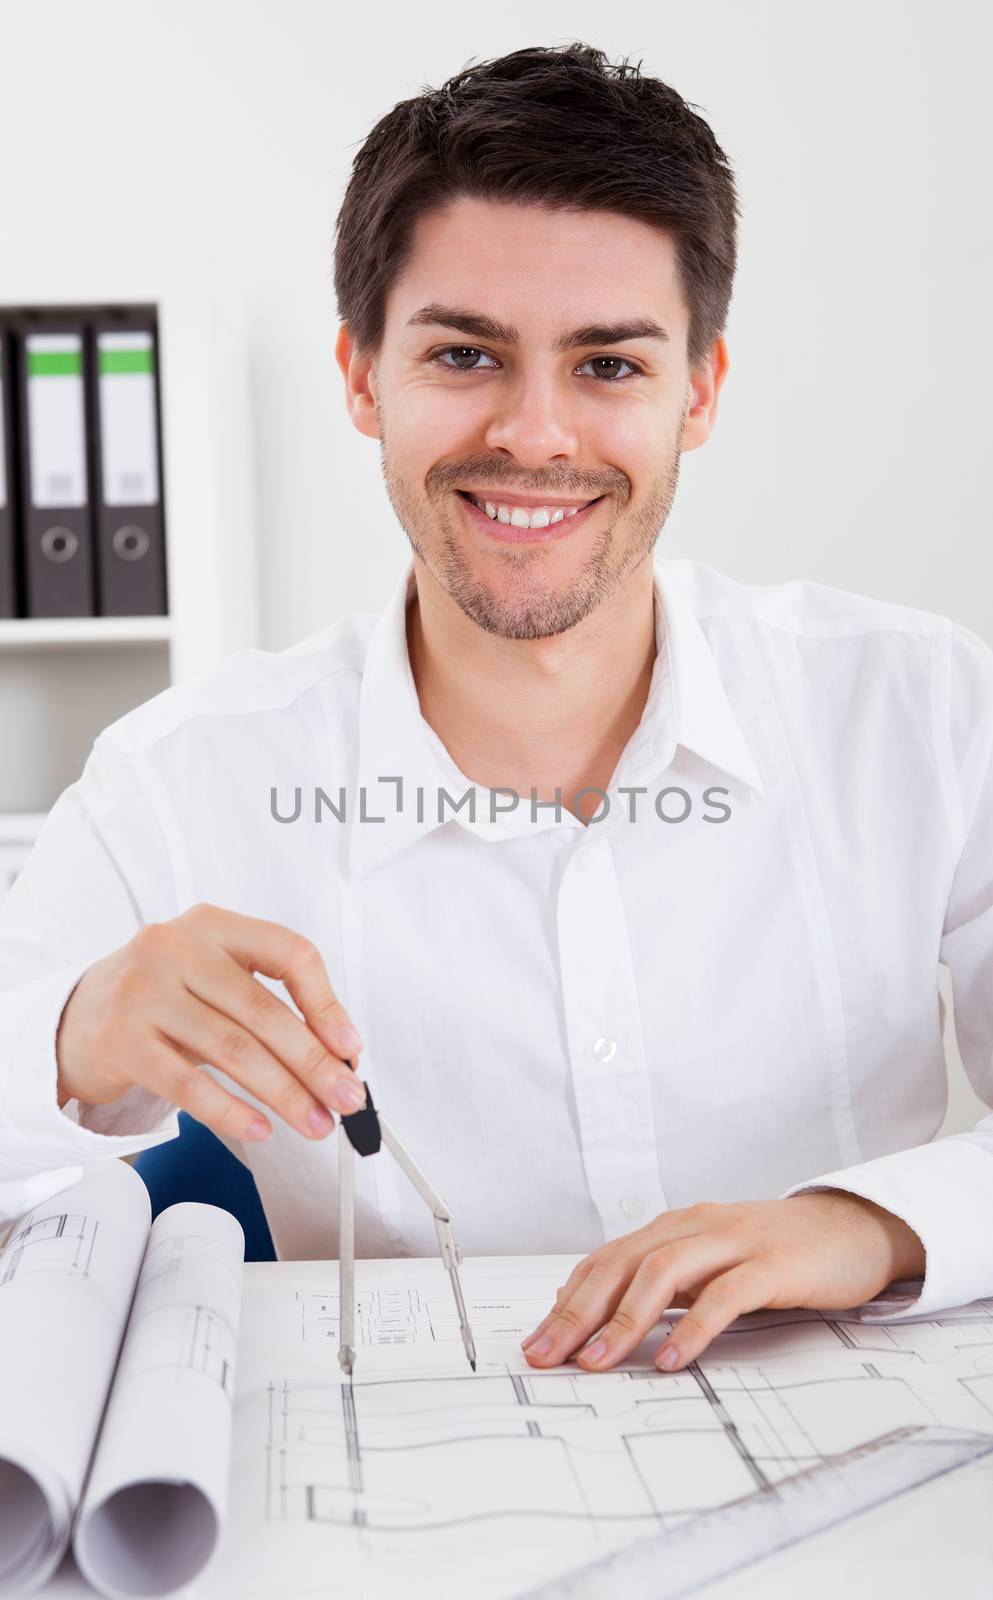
[[346, 1256]]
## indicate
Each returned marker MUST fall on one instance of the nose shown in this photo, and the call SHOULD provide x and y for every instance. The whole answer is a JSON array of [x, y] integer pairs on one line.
[[532, 421]]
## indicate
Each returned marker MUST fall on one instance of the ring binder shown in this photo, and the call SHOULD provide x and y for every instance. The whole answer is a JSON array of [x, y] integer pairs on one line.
[[9, 606], [55, 498], [130, 546]]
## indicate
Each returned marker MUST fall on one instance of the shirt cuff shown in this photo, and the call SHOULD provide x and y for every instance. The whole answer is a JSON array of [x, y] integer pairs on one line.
[[36, 1137], [944, 1191]]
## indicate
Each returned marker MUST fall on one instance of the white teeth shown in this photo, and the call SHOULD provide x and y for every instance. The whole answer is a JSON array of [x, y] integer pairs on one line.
[[524, 516]]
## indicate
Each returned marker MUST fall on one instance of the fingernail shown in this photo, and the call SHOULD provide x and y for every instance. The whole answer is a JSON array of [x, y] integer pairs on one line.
[[526, 1343], [347, 1041], [317, 1120], [349, 1095], [596, 1351], [258, 1128], [543, 1345], [667, 1358]]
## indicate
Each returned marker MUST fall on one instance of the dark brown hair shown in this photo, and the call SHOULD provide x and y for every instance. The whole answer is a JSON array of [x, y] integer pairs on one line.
[[556, 126]]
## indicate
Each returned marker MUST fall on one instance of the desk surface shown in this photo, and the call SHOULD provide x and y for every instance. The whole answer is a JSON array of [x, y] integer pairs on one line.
[[892, 1550]]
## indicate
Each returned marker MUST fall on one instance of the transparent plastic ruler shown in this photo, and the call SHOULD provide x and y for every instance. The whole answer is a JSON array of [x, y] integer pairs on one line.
[[680, 1560]]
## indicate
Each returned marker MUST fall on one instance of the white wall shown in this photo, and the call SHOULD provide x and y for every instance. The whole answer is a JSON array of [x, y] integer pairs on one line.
[[210, 141]]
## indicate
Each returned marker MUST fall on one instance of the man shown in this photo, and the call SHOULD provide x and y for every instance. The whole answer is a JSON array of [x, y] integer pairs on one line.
[[633, 879]]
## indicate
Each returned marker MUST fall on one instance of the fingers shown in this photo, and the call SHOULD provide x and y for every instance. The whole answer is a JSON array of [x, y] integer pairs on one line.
[[210, 1036], [315, 1077], [607, 1260], [565, 1327], [164, 1070], [576, 1314], [268, 947], [196, 992], [746, 1287], [651, 1292], [562, 1294], [614, 1265], [624, 1301]]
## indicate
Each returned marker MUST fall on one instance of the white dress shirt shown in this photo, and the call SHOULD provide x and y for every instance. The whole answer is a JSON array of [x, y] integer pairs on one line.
[[573, 1027]]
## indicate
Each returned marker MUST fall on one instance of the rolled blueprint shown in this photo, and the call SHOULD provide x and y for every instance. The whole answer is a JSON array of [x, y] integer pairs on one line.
[[117, 1359]]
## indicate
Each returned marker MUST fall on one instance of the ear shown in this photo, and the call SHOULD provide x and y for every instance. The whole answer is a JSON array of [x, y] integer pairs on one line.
[[705, 383], [360, 393]]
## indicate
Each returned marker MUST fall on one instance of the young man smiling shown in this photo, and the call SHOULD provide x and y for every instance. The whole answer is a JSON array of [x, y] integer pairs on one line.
[[583, 1006]]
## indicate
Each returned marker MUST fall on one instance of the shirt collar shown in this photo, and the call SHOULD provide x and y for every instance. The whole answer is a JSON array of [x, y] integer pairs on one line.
[[687, 703], [400, 756]]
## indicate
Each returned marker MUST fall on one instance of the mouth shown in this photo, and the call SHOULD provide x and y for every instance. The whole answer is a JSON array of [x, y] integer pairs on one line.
[[514, 524]]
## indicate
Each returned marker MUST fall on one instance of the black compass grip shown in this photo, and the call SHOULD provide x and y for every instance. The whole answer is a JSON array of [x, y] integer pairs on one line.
[[362, 1127]]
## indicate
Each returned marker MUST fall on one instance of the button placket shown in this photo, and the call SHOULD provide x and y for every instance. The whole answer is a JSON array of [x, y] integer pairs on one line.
[[607, 1058]]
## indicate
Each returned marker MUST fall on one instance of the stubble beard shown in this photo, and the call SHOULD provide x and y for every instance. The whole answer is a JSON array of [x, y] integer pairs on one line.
[[536, 609]]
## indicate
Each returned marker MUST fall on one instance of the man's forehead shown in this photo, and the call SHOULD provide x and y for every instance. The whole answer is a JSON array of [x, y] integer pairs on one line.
[[522, 268]]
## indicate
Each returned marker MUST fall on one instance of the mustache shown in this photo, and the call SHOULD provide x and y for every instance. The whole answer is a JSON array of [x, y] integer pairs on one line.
[[498, 475]]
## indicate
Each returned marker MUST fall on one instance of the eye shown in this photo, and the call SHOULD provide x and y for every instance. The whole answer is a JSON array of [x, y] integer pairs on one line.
[[612, 361], [465, 358], [460, 351]]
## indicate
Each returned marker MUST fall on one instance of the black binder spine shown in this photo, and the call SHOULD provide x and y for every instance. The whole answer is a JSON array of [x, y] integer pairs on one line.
[[127, 463], [9, 599], [56, 515]]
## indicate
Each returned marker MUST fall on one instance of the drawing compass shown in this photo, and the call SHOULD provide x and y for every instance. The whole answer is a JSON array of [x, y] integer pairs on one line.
[[365, 1132]]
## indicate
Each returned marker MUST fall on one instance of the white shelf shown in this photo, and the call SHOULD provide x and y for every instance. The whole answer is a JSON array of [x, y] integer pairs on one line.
[[26, 633], [62, 680]]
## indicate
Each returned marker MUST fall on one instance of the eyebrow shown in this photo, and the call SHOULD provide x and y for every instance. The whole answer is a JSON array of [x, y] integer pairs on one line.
[[480, 327]]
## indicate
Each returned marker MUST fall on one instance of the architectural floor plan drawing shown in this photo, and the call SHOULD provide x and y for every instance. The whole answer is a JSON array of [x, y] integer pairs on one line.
[[184, 1316], [63, 1240], [421, 1475]]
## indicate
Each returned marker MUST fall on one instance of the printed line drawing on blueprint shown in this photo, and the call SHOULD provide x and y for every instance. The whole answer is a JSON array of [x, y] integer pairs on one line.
[[675, 1563], [492, 1484], [402, 1316], [382, 1317], [63, 1241], [184, 1315]]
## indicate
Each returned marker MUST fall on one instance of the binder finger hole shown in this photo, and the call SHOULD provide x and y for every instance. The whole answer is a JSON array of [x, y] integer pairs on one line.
[[59, 544], [131, 543]]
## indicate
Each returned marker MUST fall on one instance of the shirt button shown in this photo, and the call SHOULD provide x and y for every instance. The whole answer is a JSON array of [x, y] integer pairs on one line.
[[605, 1049], [631, 1206]]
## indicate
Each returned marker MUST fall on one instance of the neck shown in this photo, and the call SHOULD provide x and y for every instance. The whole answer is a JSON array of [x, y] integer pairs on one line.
[[534, 713]]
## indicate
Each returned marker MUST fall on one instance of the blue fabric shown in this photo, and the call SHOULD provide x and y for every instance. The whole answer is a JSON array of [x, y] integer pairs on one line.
[[197, 1166]]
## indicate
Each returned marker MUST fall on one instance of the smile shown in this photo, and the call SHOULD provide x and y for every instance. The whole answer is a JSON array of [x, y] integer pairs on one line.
[[516, 524]]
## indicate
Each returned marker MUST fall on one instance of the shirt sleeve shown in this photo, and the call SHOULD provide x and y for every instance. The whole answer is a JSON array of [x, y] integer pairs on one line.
[[944, 1190], [98, 871]]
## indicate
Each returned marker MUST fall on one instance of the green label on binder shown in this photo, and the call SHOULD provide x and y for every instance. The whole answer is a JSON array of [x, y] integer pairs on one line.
[[55, 363], [126, 361]]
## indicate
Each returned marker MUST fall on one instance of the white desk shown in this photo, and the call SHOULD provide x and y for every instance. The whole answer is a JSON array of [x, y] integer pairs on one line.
[[891, 1551]]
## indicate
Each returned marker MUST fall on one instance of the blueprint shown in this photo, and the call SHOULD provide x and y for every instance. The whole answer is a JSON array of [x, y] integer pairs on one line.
[[118, 1346], [420, 1475]]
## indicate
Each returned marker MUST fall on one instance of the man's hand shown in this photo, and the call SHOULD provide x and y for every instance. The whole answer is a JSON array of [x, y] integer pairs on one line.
[[825, 1250], [183, 993]]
